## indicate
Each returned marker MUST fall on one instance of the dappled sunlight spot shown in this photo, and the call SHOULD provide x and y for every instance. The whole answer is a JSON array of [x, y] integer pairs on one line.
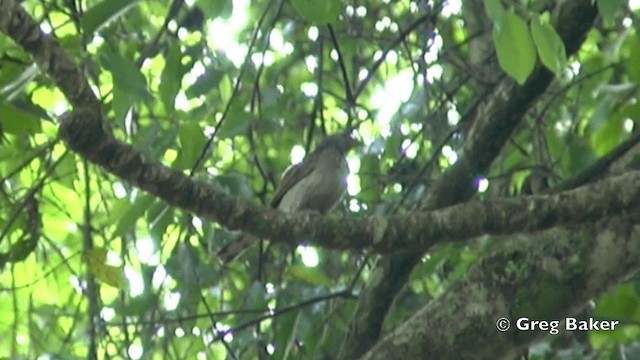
[[231, 27], [396, 91], [349, 10], [118, 190], [434, 73], [196, 331], [71, 227], [449, 154], [563, 126], [377, 55], [45, 27], [392, 58], [383, 23], [136, 284], [277, 41], [107, 313], [362, 74], [453, 116], [270, 349], [179, 332], [308, 255], [135, 350], [297, 154], [309, 89], [334, 55], [634, 5], [481, 184], [628, 125], [197, 223], [219, 330], [146, 251], [60, 107], [76, 283], [311, 62], [313, 33], [410, 148], [353, 180], [160, 277], [433, 53], [451, 7], [196, 71], [267, 58], [269, 288], [356, 206]]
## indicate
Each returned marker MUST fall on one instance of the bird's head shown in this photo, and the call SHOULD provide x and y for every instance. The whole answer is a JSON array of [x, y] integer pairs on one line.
[[343, 142]]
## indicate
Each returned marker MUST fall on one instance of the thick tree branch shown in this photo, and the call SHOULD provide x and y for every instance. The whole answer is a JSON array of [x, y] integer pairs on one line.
[[546, 276], [86, 133], [493, 125]]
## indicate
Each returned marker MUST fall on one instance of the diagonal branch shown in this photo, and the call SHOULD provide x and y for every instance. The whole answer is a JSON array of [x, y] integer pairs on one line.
[[546, 276], [85, 132], [492, 127]]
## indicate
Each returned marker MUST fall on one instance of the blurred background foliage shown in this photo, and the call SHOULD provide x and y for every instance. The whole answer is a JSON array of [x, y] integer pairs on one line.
[[233, 92]]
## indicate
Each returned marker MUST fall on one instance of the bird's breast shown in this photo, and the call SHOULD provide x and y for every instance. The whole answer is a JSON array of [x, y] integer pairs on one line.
[[319, 191]]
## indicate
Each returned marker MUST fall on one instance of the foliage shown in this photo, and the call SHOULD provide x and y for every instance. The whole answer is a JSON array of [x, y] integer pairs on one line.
[[231, 93]]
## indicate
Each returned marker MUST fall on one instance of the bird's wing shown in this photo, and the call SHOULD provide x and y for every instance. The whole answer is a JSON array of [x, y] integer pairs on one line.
[[291, 177]]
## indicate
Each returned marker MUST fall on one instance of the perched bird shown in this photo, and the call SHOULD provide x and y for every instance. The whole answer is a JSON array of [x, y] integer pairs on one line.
[[315, 184]]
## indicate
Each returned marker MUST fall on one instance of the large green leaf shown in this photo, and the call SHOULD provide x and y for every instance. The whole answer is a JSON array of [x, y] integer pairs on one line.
[[495, 11], [515, 48], [171, 77], [126, 76], [549, 44], [608, 8], [318, 11], [192, 141], [100, 14], [17, 122]]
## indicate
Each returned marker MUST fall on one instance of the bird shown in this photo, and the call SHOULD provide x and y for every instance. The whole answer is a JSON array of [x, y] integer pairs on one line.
[[316, 184]]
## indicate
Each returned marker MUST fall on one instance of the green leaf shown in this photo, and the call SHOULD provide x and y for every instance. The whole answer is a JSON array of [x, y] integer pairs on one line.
[[236, 123], [549, 44], [205, 83], [127, 214], [632, 64], [192, 141], [110, 275], [285, 335], [369, 183], [171, 77], [320, 12], [67, 170], [235, 184], [20, 78], [126, 76], [309, 275], [17, 122], [120, 104], [97, 16], [515, 48], [216, 8], [608, 8], [607, 137], [495, 11], [159, 217]]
